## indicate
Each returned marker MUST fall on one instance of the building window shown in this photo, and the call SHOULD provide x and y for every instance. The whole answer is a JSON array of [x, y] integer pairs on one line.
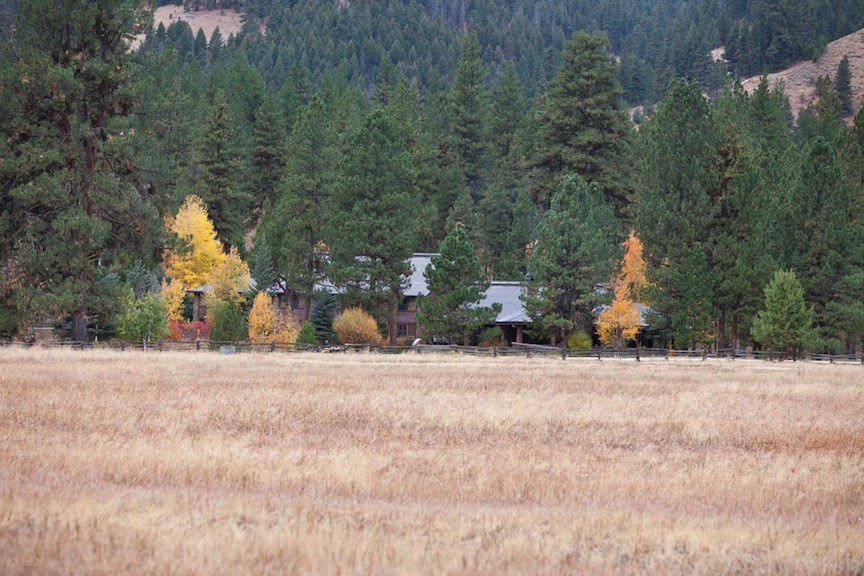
[[406, 330]]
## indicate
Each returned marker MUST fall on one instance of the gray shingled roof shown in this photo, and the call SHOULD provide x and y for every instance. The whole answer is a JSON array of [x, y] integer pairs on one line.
[[505, 293], [417, 282], [508, 295]]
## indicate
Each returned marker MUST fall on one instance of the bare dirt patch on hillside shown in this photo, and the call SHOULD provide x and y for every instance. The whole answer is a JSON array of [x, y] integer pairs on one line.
[[801, 78], [228, 21], [190, 463]]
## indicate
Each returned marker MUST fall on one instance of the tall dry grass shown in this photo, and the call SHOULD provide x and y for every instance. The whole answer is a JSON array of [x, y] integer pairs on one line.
[[207, 464]]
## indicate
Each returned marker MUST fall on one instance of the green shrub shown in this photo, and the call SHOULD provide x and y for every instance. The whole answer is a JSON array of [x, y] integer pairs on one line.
[[143, 320], [579, 341], [229, 325], [306, 334]]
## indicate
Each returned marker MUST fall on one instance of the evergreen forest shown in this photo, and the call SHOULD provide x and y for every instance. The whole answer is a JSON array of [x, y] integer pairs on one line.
[[333, 139]]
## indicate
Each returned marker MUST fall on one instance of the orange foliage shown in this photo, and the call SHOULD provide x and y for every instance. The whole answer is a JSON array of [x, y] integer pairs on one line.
[[620, 322], [632, 276], [354, 326]]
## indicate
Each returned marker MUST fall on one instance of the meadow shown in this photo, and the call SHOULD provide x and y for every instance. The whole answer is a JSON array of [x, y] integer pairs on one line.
[[184, 463]]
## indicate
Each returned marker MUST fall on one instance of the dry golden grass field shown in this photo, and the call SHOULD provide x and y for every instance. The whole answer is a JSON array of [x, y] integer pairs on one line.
[[183, 463]]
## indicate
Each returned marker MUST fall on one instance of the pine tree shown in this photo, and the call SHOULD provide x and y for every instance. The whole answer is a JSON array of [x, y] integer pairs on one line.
[[739, 247], [468, 105], [830, 234], [262, 270], [674, 211], [296, 226], [323, 307], [574, 253], [220, 182], [582, 126], [267, 157], [507, 113], [456, 286], [843, 86], [375, 219], [693, 316], [786, 323], [72, 211]]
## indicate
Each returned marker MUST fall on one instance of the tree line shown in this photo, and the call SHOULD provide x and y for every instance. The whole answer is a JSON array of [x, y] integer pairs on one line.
[[323, 175]]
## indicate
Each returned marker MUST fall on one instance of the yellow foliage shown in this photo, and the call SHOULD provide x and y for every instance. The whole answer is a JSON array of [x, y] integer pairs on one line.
[[354, 326], [203, 252], [261, 318], [230, 277], [285, 328], [266, 324], [172, 297], [618, 323]]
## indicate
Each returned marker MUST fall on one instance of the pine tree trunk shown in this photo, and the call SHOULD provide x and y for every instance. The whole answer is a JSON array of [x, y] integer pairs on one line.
[[735, 340], [79, 325], [721, 330], [307, 308], [391, 324]]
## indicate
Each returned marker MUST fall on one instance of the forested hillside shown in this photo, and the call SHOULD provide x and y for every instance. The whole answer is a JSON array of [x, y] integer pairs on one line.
[[375, 129]]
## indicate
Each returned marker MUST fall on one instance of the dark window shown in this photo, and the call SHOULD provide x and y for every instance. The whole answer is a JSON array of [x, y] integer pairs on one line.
[[409, 330]]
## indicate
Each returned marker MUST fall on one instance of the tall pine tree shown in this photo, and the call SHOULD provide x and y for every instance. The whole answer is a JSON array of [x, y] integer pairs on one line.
[[374, 219], [73, 210], [582, 125], [576, 250], [456, 286]]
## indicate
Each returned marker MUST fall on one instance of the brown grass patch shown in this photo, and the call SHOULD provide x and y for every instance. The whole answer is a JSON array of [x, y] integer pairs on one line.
[[185, 463]]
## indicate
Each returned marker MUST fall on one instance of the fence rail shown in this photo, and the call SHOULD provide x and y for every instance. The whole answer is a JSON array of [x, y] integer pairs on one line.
[[527, 350]]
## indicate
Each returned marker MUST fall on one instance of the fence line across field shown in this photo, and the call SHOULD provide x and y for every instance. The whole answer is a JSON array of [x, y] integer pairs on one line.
[[527, 350]]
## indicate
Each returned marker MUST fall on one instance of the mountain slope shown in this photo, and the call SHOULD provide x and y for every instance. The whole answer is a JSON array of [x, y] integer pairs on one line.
[[801, 78]]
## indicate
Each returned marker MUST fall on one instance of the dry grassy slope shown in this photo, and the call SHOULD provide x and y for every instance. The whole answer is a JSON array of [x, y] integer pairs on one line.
[[228, 21], [801, 78]]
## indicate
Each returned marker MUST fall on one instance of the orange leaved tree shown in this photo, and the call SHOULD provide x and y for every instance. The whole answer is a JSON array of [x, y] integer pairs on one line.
[[354, 326], [620, 322]]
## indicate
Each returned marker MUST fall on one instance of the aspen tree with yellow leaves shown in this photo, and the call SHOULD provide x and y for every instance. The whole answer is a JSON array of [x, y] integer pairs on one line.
[[230, 279], [266, 324], [193, 264]]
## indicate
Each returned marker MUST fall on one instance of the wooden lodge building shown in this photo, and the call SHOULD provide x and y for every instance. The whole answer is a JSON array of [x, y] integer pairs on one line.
[[512, 319]]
